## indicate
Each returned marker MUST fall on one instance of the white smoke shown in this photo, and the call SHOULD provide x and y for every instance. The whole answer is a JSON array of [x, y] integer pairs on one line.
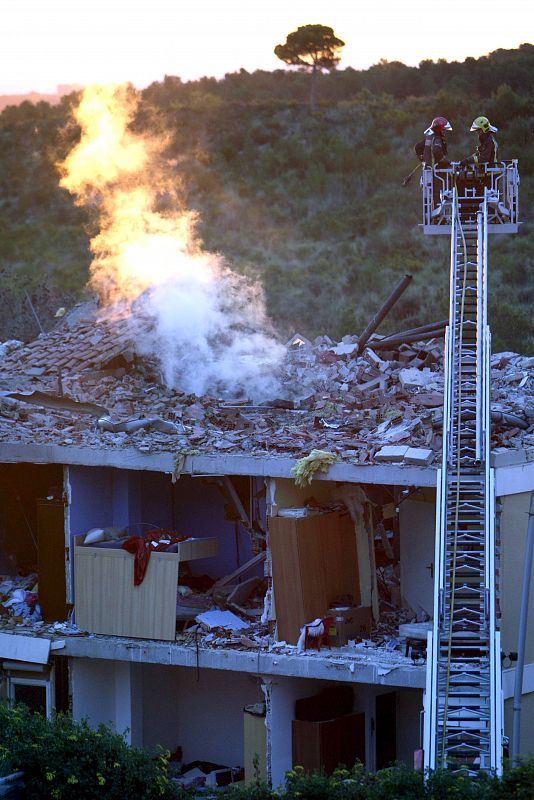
[[211, 337]]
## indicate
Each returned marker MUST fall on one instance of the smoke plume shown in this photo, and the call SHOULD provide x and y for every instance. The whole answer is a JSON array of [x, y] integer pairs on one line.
[[204, 323]]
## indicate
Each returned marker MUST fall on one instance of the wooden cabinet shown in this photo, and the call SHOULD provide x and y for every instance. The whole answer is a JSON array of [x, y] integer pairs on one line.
[[314, 560], [106, 600], [324, 746]]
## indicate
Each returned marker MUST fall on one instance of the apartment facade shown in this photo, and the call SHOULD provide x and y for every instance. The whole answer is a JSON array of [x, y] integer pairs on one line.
[[352, 551]]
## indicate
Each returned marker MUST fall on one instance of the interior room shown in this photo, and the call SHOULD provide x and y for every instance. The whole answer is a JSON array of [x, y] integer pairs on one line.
[[199, 531], [178, 709], [320, 725], [32, 543]]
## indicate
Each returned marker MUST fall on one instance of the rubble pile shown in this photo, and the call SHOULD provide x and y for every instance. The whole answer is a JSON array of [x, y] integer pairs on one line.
[[385, 647], [388, 651], [19, 601], [83, 387]]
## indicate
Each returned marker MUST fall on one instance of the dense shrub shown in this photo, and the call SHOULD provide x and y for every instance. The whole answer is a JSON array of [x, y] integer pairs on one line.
[[395, 783], [65, 760], [402, 783]]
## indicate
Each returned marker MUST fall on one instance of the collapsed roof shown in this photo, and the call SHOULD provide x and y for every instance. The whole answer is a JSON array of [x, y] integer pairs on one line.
[[86, 384]]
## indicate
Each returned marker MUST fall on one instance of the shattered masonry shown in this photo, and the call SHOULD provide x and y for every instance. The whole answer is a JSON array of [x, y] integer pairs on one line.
[[379, 406]]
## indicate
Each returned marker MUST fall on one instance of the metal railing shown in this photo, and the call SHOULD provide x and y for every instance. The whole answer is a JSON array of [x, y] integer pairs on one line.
[[501, 182]]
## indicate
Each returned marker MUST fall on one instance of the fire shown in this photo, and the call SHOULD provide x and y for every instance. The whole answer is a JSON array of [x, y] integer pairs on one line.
[[210, 331], [115, 168], [107, 150]]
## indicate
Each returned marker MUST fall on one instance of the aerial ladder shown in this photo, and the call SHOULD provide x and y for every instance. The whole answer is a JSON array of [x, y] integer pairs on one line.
[[463, 709]]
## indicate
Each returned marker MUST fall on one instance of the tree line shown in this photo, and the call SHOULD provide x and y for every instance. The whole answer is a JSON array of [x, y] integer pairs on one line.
[[310, 204]]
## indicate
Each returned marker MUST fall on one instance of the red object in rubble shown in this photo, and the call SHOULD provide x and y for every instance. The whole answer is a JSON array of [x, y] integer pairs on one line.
[[312, 635], [142, 546]]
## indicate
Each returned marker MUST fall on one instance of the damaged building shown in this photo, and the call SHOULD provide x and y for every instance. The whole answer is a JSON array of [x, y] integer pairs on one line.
[[233, 581]]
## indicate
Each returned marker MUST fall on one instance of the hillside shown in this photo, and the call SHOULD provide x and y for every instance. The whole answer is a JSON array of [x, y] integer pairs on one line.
[[311, 205]]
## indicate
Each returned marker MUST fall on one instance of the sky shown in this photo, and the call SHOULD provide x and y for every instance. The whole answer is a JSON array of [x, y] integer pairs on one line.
[[44, 43]]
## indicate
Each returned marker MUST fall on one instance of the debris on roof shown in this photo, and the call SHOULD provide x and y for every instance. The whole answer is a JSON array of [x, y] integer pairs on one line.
[[381, 405], [87, 344]]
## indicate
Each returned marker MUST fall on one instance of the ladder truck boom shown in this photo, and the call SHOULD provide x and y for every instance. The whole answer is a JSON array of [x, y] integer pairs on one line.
[[463, 725]]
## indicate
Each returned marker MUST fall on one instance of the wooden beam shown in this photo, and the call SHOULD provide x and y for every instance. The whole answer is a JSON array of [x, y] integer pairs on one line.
[[239, 571]]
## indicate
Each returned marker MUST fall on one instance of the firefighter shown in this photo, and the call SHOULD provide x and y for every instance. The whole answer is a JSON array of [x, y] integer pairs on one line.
[[432, 151], [487, 149], [473, 173]]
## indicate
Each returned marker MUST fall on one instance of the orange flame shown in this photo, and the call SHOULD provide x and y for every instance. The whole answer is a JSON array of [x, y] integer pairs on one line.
[[121, 172], [209, 327]]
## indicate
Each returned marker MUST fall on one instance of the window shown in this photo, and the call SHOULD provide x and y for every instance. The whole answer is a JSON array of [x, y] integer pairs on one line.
[[36, 693]]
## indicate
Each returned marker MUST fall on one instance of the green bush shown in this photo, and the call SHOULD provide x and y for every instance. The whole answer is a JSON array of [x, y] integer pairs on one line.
[[394, 783], [342, 785], [516, 783], [254, 791], [66, 760]]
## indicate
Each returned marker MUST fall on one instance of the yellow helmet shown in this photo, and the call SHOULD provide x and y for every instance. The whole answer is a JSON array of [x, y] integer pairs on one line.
[[483, 124]]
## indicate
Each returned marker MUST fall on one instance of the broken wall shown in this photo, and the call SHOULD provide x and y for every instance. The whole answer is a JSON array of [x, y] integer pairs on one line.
[[92, 498], [200, 511], [102, 497], [157, 705], [108, 692]]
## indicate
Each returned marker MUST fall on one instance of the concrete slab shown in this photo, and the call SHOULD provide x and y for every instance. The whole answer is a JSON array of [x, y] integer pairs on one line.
[[331, 665], [514, 479], [415, 630], [503, 457], [412, 378], [265, 466], [31, 649], [511, 479], [419, 455], [392, 452]]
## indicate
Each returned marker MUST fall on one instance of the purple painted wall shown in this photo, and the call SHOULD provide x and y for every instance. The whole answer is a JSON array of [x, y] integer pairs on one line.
[[140, 500], [194, 507], [91, 498]]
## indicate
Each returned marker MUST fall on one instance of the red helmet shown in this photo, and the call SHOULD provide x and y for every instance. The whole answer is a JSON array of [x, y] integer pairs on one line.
[[440, 124]]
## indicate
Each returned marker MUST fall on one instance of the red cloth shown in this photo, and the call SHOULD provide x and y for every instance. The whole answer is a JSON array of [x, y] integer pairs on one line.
[[138, 547], [142, 546]]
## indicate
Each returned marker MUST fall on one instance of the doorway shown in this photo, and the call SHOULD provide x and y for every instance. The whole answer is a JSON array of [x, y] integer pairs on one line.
[[386, 729]]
